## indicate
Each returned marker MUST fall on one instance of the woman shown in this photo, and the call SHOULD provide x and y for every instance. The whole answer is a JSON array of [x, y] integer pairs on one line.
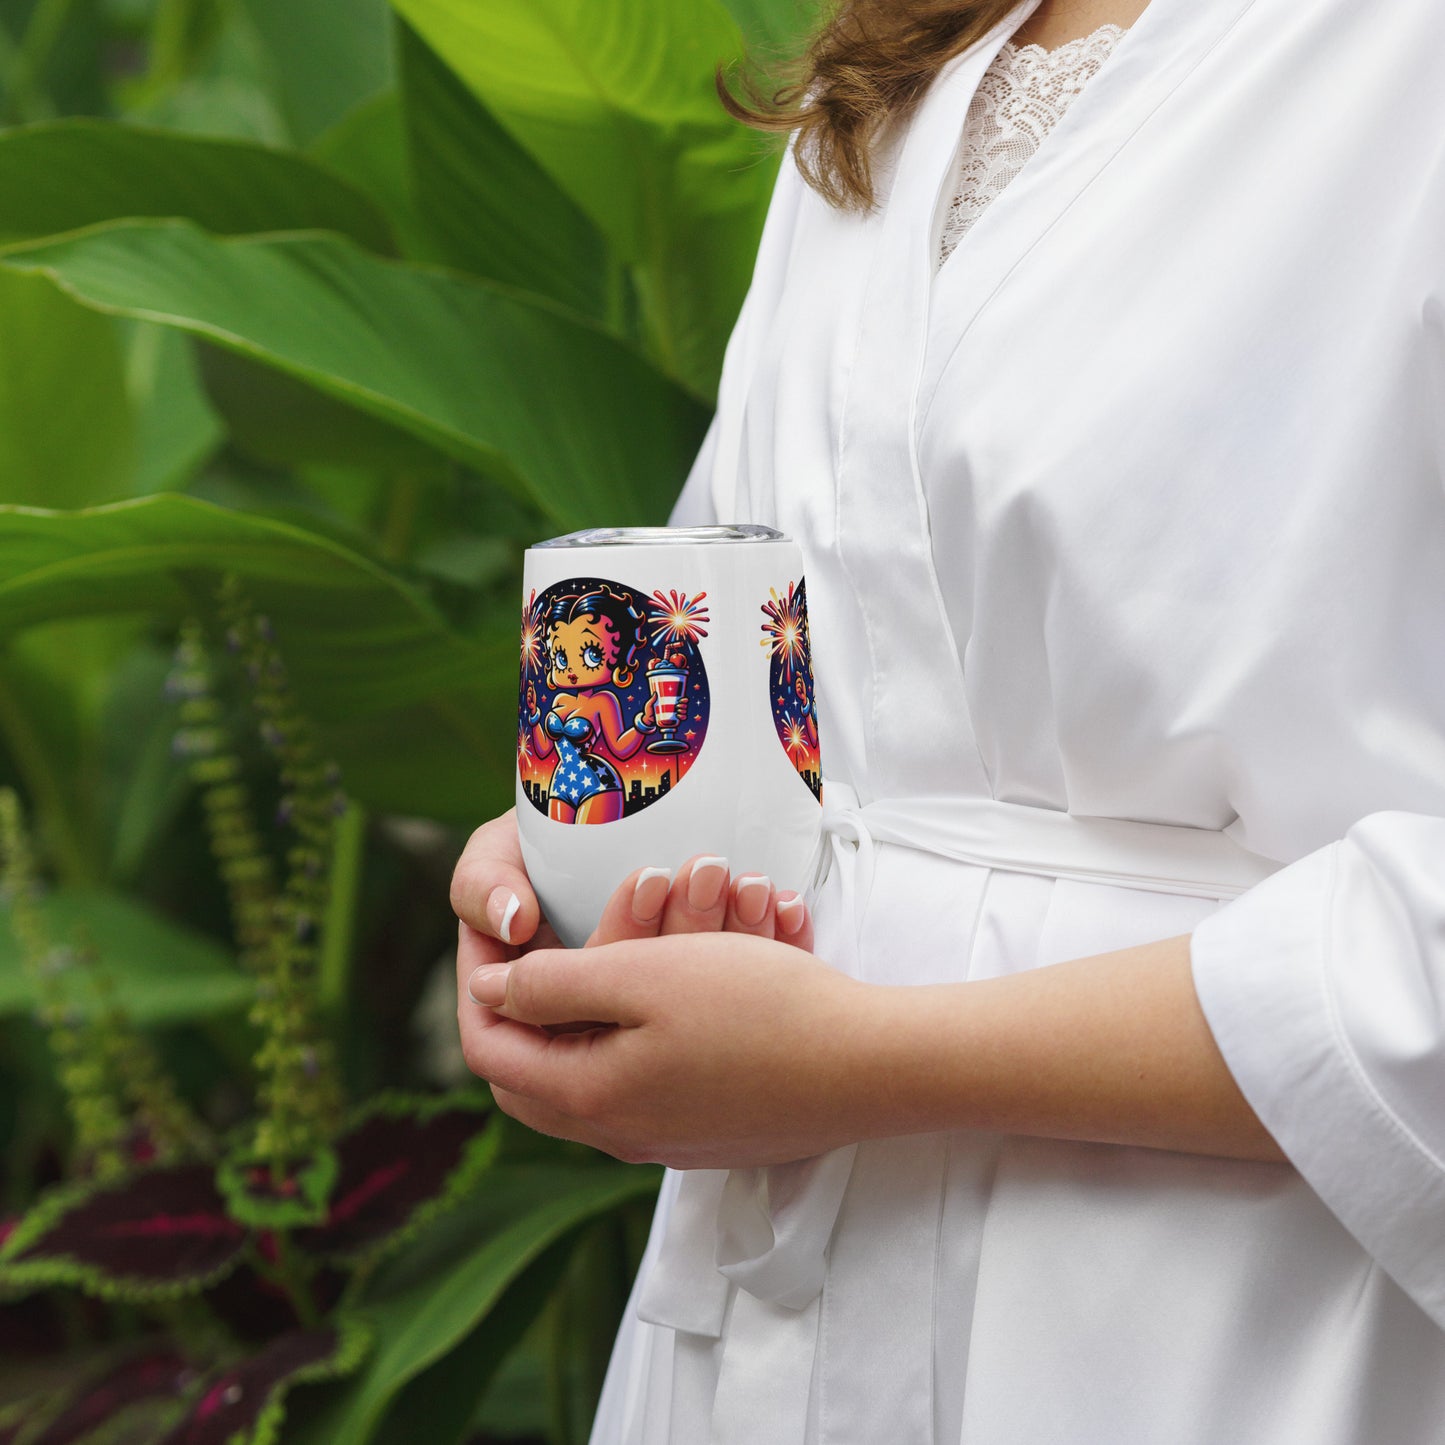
[[1117, 1116]]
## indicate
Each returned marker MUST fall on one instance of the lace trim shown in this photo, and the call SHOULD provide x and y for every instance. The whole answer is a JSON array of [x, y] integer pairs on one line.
[[1020, 99]]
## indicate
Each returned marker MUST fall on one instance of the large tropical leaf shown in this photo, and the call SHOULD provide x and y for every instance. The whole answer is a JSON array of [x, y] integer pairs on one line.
[[163, 973], [325, 54], [77, 172], [368, 147], [426, 1301], [66, 428], [775, 29], [565, 414], [177, 428], [416, 715], [493, 210], [617, 102], [208, 74]]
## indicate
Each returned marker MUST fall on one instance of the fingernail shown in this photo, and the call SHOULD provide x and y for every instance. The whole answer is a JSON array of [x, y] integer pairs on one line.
[[650, 893], [488, 984], [790, 913], [753, 894], [706, 883], [502, 908]]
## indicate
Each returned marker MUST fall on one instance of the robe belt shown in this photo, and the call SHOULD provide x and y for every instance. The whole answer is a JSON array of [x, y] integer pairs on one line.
[[767, 1229]]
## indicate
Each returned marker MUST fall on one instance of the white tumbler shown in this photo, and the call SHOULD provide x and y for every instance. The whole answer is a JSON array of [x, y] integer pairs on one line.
[[666, 707]]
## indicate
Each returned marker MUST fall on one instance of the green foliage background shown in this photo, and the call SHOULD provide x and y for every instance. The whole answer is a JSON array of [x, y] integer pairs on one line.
[[351, 301]]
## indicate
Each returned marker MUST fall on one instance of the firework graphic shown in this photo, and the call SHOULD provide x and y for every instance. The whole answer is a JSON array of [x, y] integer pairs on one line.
[[786, 630], [677, 619], [790, 681], [581, 756], [531, 636]]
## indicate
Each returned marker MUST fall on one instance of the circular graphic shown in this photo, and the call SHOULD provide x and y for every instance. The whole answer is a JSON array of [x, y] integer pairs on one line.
[[613, 702], [790, 675]]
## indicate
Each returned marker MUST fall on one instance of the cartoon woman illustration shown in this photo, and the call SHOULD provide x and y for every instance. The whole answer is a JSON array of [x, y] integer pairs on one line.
[[593, 639]]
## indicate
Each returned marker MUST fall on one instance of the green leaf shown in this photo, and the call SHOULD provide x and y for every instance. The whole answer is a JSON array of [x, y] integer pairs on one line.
[[447, 1393], [326, 55], [426, 1301], [557, 409], [493, 209], [66, 429], [209, 75], [177, 428], [617, 103], [164, 973], [277, 419], [78, 172], [775, 28], [421, 719], [368, 147]]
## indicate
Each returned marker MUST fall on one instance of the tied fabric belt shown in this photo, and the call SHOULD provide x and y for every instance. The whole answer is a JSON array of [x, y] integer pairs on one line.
[[767, 1230]]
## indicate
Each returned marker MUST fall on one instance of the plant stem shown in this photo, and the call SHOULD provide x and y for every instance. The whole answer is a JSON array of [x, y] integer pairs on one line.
[[74, 863], [347, 863], [289, 1278]]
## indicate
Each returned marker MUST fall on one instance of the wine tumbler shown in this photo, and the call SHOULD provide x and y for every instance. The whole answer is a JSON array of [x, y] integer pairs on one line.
[[666, 707]]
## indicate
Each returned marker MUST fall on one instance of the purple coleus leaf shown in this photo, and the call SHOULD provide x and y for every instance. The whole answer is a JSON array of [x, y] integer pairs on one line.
[[160, 1374], [402, 1159], [158, 1233], [297, 1198], [242, 1404]]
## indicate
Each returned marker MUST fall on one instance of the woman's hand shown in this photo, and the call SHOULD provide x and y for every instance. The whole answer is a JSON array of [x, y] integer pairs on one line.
[[500, 919], [710, 1050], [493, 899]]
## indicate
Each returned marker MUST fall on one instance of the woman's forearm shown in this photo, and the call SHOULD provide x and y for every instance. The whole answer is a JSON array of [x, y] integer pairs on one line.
[[1112, 1048]]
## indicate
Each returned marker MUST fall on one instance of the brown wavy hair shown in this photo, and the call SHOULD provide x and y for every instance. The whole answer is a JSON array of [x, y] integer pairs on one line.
[[866, 67]]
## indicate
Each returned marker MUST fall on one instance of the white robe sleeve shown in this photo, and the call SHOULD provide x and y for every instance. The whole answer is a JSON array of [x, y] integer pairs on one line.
[[1324, 987]]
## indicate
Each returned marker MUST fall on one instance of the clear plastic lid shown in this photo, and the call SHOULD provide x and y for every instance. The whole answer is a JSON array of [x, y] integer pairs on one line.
[[665, 536]]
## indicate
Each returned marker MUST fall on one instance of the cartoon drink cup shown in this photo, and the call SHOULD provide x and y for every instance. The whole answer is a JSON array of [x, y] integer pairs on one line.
[[666, 684], [651, 712]]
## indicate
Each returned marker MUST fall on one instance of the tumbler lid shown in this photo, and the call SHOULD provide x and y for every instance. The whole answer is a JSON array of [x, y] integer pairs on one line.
[[654, 536]]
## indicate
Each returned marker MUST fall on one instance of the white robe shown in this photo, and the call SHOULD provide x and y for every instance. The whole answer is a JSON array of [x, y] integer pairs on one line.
[[1135, 510]]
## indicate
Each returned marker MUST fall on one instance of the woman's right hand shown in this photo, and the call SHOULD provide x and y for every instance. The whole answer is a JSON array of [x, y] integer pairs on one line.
[[500, 918]]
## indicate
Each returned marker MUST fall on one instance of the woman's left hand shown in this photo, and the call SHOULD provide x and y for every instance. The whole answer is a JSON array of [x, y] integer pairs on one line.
[[711, 1050]]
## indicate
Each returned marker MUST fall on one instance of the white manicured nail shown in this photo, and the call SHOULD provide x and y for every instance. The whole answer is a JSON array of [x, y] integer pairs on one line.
[[502, 908], [752, 900], [790, 913], [706, 882], [650, 893]]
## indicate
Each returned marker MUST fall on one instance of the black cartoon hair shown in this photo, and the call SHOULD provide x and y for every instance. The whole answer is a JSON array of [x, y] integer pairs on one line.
[[619, 609]]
